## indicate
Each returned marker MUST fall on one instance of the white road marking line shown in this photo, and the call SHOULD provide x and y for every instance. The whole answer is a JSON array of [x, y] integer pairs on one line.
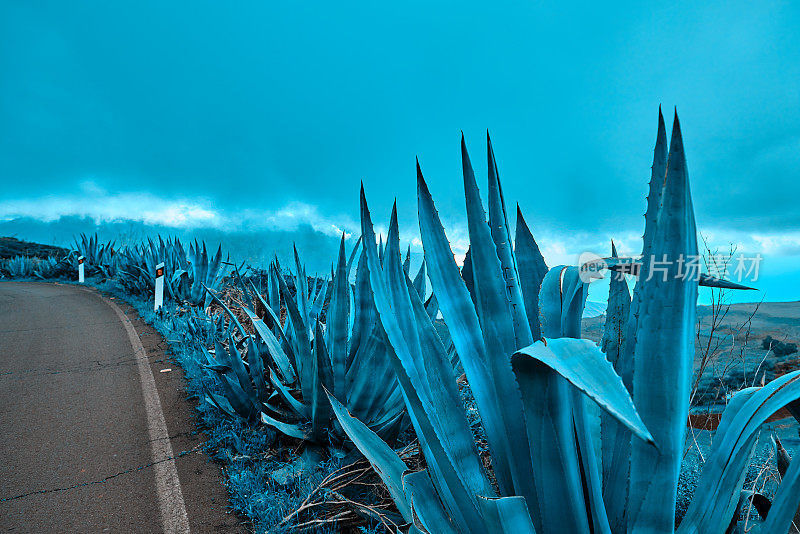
[[168, 487]]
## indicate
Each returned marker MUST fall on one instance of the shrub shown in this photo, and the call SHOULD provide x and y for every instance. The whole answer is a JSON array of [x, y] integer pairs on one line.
[[778, 348]]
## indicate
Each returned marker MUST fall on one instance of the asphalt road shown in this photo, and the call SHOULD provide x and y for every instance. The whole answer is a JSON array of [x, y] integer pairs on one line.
[[76, 438]]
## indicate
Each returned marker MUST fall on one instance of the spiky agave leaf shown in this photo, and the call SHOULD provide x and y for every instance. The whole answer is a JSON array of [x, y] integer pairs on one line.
[[300, 334], [338, 321], [617, 311], [466, 274], [275, 347], [615, 438], [501, 235], [584, 366], [532, 270], [365, 316], [496, 394], [321, 414], [255, 367], [434, 409], [664, 352], [503, 328], [419, 281], [386, 462]]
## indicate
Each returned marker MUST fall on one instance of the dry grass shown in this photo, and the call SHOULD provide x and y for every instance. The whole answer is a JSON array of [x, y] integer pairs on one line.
[[351, 497]]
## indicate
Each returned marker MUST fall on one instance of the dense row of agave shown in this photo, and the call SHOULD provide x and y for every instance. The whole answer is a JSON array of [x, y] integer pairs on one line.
[[98, 256], [187, 272], [281, 373], [25, 267], [515, 325]]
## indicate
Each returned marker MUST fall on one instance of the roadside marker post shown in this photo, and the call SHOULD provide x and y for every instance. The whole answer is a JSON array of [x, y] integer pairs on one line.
[[80, 269], [159, 286]]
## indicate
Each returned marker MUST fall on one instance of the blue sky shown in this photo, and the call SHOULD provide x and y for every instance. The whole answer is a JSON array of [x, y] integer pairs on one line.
[[264, 117]]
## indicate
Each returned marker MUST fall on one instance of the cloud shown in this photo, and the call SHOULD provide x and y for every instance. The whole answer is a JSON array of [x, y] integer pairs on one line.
[[180, 213], [197, 214], [778, 244]]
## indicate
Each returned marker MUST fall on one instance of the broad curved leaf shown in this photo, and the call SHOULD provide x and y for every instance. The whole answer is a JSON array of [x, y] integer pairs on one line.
[[584, 366], [383, 459], [718, 489]]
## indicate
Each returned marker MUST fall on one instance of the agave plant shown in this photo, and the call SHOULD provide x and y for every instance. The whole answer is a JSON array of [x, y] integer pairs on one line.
[[205, 273], [187, 274], [199, 329], [98, 257], [304, 356], [18, 267], [244, 389], [48, 268], [536, 397]]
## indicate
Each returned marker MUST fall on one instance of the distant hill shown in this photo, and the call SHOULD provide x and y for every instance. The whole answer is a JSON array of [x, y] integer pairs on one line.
[[739, 357], [11, 247], [781, 320]]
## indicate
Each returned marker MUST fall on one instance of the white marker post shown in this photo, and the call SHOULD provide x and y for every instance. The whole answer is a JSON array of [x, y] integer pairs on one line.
[[159, 286], [80, 269]]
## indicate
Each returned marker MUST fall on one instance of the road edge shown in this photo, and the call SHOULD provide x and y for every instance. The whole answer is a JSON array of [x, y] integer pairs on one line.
[[174, 518]]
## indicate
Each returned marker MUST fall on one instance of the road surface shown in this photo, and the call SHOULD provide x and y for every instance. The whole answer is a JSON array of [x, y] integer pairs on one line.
[[93, 436]]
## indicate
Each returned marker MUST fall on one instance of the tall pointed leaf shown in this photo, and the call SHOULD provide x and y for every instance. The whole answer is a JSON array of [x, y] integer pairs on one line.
[[323, 376], [499, 337], [532, 270], [456, 498], [274, 348], [501, 235], [303, 351], [657, 181], [338, 320], [256, 368], [614, 437], [665, 351], [419, 281], [496, 401]]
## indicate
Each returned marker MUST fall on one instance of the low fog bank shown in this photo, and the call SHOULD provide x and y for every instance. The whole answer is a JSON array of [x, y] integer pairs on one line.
[[317, 250]]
